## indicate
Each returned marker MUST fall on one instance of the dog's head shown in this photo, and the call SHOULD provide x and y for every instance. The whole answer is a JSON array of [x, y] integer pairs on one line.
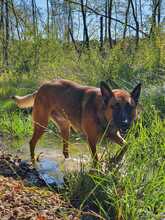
[[120, 106]]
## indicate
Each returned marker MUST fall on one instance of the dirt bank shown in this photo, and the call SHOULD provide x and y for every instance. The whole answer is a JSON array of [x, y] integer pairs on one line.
[[24, 195]]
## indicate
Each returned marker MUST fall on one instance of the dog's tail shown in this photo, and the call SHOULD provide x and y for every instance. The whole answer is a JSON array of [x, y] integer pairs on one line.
[[25, 101]]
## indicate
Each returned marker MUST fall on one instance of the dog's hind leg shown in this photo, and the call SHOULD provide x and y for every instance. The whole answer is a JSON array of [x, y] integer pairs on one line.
[[64, 126], [40, 121]]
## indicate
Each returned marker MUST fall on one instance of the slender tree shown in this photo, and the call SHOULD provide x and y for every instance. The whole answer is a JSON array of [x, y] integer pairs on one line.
[[34, 17], [136, 22], [155, 7], [110, 22], [2, 30], [48, 17], [16, 19], [106, 20], [83, 11], [126, 19], [6, 43], [141, 15], [101, 33]]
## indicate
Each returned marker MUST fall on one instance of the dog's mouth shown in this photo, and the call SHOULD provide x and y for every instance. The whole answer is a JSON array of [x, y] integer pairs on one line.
[[114, 128], [123, 131]]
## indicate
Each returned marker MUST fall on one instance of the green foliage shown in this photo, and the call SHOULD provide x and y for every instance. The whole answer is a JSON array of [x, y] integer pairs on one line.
[[124, 63], [137, 191], [15, 123]]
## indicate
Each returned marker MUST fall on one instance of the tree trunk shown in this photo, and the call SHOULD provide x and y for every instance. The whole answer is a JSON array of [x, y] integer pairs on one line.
[[109, 23], [70, 22], [16, 19], [115, 23], [159, 12], [106, 20], [126, 19], [48, 18], [156, 4], [2, 31], [86, 36], [6, 43], [34, 17], [2, 16], [101, 33], [36, 48], [141, 15], [136, 22]]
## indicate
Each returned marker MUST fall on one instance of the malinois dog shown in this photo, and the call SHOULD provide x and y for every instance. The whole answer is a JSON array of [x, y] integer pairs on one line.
[[90, 110]]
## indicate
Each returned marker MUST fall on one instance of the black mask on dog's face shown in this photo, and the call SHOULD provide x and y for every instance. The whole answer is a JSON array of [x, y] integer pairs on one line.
[[120, 106], [122, 116]]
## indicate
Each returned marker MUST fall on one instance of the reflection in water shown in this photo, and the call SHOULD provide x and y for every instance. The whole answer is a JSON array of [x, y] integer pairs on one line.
[[52, 166], [49, 171]]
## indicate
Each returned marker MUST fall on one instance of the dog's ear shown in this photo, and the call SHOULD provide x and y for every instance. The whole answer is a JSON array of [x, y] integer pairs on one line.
[[105, 91], [136, 93]]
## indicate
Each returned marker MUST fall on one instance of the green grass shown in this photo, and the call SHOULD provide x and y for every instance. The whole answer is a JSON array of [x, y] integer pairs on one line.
[[15, 124], [137, 190]]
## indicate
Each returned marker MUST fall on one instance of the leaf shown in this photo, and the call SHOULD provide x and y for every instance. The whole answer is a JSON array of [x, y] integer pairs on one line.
[[41, 217]]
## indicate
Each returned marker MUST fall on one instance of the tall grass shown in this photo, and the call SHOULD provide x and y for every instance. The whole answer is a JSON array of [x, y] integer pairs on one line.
[[137, 190], [15, 123]]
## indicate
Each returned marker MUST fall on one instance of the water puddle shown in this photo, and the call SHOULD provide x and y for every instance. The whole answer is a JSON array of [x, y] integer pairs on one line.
[[50, 172], [51, 166]]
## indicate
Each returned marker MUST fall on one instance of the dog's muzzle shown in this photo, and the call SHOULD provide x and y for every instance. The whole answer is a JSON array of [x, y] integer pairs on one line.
[[124, 126]]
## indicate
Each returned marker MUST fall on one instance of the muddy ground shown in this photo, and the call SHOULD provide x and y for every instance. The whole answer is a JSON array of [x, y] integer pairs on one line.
[[24, 195]]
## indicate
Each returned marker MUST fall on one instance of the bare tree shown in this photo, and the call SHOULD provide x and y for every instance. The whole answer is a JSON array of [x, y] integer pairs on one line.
[[141, 15], [155, 7], [48, 17], [101, 33], [159, 11], [110, 22], [34, 17], [2, 31], [6, 42], [16, 19], [86, 36], [115, 21], [106, 20], [126, 19], [136, 22], [70, 23]]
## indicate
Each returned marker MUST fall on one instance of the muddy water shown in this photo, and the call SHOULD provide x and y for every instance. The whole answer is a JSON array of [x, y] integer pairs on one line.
[[52, 166]]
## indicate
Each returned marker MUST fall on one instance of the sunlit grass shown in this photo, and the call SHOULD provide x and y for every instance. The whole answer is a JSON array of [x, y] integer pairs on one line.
[[15, 124], [137, 190]]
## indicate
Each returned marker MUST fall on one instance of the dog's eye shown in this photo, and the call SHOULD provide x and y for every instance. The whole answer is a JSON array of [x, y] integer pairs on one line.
[[129, 107]]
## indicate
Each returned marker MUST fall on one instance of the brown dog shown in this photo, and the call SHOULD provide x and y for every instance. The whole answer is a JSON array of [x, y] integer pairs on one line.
[[93, 111]]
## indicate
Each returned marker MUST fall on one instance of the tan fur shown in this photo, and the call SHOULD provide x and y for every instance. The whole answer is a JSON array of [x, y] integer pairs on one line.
[[69, 104], [26, 101]]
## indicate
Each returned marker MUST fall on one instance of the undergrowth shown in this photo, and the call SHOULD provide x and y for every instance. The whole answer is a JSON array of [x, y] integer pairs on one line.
[[137, 190]]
